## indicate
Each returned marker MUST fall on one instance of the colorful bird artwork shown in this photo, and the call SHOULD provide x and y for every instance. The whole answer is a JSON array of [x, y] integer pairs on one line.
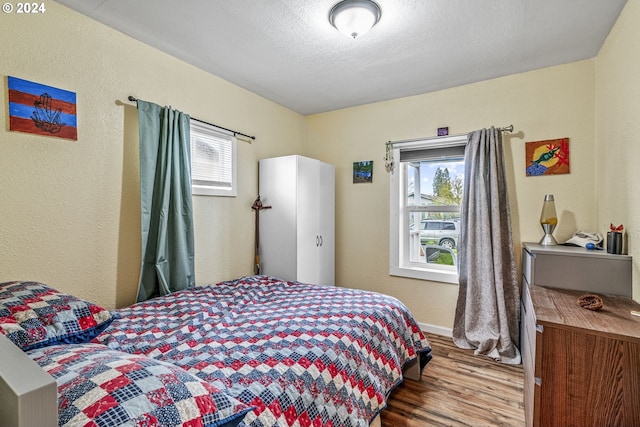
[[549, 157]]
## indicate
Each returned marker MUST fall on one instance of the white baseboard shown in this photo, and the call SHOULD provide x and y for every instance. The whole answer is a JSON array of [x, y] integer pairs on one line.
[[435, 329]]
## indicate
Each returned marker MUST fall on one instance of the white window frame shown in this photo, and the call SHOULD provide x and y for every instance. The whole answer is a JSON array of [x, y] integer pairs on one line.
[[212, 188], [399, 263]]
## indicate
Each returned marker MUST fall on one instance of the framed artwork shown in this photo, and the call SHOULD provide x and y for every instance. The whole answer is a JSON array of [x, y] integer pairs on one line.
[[363, 171], [549, 157], [40, 109], [443, 131]]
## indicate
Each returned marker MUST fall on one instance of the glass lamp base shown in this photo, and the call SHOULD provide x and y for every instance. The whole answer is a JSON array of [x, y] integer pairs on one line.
[[548, 240]]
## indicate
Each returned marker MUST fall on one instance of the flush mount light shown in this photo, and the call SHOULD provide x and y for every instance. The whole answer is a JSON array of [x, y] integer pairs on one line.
[[354, 17]]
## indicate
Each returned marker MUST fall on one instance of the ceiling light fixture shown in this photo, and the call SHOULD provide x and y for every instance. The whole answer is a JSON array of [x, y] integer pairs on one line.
[[354, 17]]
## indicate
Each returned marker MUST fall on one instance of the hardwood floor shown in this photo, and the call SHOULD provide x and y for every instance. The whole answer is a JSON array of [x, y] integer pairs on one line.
[[458, 389]]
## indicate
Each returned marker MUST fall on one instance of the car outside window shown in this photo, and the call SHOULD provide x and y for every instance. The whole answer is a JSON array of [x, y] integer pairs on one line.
[[442, 233]]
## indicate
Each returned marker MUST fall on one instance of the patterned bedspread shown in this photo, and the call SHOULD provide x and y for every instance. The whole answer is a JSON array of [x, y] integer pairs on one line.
[[300, 354]]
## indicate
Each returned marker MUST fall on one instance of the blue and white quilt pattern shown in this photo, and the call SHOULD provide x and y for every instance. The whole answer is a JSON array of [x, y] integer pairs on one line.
[[300, 354]]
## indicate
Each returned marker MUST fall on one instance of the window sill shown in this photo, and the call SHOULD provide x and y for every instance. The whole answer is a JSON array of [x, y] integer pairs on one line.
[[433, 275]]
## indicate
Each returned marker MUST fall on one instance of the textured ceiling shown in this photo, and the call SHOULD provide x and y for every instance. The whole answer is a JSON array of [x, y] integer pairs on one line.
[[286, 50]]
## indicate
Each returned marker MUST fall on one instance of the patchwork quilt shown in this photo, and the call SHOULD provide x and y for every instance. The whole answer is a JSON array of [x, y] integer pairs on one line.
[[299, 354], [98, 387]]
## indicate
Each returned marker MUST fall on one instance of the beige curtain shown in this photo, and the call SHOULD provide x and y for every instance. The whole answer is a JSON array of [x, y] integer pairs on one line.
[[488, 308]]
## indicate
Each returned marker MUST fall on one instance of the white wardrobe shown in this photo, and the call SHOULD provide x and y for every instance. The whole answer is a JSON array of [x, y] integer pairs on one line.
[[297, 234]]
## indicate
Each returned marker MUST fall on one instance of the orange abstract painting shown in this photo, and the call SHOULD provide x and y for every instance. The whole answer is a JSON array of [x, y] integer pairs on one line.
[[549, 157]]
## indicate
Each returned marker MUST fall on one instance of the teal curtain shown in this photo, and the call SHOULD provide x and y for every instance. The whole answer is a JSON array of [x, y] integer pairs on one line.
[[167, 207]]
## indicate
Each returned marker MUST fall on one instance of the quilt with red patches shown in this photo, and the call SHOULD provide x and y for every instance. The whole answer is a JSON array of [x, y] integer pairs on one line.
[[300, 354]]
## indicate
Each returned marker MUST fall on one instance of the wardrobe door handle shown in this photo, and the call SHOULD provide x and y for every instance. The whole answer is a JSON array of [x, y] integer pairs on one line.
[[317, 241], [321, 240]]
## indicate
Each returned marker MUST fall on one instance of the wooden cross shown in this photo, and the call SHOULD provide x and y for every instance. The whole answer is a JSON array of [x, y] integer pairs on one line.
[[257, 206]]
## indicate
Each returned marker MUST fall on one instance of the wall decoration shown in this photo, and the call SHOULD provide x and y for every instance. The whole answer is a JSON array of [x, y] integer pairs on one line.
[[40, 109], [363, 171], [443, 131], [549, 157]]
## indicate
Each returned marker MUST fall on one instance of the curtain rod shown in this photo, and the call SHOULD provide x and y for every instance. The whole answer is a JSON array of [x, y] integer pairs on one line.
[[134, 99], [503, 129]]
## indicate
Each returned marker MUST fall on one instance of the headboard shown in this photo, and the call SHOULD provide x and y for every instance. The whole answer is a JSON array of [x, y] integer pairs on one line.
[[28, 394]]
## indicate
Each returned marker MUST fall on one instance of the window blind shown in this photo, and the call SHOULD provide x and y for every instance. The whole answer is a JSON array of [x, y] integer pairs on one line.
[[440, 153], [211, 156]]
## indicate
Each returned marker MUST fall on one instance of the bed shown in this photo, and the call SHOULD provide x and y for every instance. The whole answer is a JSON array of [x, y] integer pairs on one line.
[[253, 352]]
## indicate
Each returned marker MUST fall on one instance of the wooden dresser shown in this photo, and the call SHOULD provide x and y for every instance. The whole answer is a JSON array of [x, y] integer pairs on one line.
[[581, 367]]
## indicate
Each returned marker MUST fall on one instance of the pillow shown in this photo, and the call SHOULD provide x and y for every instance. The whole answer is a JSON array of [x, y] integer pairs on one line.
[[35, 315], [100, 387]]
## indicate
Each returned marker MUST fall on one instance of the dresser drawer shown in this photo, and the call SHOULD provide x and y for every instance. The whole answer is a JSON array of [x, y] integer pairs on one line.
[[528, 352], [586, 364]]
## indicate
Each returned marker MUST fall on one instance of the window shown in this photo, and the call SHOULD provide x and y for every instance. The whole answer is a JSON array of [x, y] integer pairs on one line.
[[213, 161], [426, 194]]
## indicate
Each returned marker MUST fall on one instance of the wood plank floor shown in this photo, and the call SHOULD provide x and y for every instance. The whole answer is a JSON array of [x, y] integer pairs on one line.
[[458, 389]]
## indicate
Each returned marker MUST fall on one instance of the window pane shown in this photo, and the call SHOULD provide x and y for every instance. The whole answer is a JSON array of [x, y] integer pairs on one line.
[[434, 194], [435, 182], [212, 161], [437, 239]]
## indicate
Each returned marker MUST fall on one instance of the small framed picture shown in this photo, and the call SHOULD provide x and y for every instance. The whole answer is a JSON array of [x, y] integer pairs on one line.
[[443, 131], [363, 171]]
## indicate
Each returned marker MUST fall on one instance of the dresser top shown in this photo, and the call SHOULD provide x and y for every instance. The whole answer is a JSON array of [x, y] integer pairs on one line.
[[562, 250], [559, 307]]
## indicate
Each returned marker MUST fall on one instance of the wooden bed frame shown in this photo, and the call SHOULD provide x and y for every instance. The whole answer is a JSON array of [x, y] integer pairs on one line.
[[29, 395]]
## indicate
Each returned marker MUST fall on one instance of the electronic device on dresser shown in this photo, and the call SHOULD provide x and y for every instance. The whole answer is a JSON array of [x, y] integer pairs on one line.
[[581, 367]]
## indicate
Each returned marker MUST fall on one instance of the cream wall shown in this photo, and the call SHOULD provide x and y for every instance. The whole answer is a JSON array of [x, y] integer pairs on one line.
[[549, 103], [618, 127], [70, 209]]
